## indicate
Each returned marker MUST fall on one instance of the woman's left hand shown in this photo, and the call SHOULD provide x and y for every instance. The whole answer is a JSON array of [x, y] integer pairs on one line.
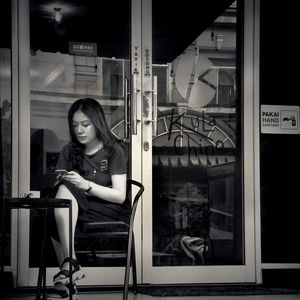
[[74, 178]]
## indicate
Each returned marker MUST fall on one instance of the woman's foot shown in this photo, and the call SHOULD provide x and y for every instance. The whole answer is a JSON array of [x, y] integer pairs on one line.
[[63, 276]]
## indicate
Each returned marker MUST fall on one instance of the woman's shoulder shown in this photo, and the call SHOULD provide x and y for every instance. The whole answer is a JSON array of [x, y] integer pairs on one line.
[[117, 147]]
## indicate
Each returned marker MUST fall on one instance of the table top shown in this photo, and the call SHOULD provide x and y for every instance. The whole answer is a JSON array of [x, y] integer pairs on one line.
[[36, 202]]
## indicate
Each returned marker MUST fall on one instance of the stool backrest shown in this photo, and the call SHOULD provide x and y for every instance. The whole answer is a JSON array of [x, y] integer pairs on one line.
[[130, 184]]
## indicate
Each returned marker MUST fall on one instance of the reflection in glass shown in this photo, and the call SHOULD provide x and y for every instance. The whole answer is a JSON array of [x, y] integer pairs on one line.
[[6, 118], [197, 200]]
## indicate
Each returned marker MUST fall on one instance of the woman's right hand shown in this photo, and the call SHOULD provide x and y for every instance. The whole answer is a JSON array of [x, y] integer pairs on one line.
[[60, 173], [74, 178], [58, 177]]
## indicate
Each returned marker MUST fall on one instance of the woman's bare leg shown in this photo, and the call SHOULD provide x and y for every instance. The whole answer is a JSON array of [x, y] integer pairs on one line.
[[58, 250], [62, 220]]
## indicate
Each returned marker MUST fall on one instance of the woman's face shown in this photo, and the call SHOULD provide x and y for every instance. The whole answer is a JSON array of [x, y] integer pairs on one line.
[[84, 129]]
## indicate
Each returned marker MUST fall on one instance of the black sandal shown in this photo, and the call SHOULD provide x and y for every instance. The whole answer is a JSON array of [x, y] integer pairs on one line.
[[62, 291], [63, 276]]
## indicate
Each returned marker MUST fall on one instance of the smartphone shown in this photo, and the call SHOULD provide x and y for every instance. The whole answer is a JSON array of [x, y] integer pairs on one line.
[[61, 171]]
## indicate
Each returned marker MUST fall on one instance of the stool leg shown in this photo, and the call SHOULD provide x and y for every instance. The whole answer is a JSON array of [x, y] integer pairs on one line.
[[127, 271], [133, 262], [40, 275], [70, 249]]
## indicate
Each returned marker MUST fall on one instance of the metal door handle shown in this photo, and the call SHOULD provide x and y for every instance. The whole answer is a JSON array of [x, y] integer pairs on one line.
[[135, 92], [154, 106], [126, 109]]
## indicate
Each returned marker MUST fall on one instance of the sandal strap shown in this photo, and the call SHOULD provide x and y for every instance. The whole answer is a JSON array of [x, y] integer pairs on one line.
[[75, 268], [74, 263]]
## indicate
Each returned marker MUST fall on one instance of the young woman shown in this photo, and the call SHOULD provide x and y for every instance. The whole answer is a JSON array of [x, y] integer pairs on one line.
[[94, 179]]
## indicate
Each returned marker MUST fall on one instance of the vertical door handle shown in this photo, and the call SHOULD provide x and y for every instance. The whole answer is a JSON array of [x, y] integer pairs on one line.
[[135, 91], [126, 109], [154, 105]]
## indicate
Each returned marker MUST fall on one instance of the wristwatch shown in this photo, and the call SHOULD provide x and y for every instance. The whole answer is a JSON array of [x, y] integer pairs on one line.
[[89, 188]]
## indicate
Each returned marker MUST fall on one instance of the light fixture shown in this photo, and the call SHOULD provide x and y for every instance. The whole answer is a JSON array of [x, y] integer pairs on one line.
[[57, 15], [219, 41]]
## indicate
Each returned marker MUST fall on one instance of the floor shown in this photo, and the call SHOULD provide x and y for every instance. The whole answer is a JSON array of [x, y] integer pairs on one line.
[[118, 296]]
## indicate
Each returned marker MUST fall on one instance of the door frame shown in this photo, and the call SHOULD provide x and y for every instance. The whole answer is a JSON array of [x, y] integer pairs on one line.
[[250, 271], [141, 169]]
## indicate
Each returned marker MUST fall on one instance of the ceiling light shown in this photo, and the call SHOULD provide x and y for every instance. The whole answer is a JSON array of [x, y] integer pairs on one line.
[[57, 15]]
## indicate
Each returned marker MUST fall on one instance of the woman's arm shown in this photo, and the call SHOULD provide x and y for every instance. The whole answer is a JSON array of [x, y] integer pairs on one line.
[[115, 194]]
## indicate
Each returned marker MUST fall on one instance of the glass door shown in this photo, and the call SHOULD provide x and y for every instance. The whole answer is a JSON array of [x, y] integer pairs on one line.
[[196, 226], [71, 51]]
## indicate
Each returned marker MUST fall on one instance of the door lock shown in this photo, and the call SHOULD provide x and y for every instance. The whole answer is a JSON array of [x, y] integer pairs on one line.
[[146, 146]]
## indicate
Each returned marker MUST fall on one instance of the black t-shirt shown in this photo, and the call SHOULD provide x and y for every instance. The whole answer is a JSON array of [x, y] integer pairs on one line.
[[98, 168]]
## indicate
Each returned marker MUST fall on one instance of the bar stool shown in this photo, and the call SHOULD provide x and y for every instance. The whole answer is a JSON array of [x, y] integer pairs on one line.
[[41, 204], [119, 229]]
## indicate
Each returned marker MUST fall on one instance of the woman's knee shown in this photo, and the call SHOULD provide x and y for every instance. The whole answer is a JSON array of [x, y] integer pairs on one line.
[[64, 193]]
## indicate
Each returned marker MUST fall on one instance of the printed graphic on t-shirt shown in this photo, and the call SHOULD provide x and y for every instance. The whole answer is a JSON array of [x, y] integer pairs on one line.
[[104, 165]]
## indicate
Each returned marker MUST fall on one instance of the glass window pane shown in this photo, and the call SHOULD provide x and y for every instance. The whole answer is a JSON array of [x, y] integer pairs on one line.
[[197, 199], [6, 118]]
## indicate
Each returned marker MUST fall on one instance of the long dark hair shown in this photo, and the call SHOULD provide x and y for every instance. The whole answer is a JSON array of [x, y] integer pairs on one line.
[[93, 110]]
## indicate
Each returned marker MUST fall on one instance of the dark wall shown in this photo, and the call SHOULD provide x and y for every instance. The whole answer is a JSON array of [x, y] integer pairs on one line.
[[279, 154]]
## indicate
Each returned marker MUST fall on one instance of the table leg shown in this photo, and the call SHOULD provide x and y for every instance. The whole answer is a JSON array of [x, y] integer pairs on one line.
[[45, 251], [42, 268], [2, 247]]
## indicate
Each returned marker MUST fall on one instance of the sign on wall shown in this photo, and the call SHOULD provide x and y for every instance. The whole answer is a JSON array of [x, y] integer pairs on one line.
[[279, 119], [83, 49]]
